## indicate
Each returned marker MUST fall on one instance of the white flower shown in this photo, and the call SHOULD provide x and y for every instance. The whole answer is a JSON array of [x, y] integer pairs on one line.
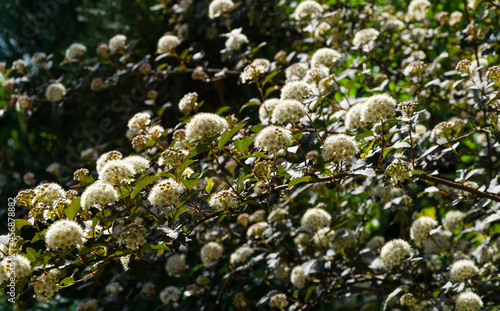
[[468, 301], [140, 164], [463, 270], [278, 301], [55, 92], [298, 90], [393, 24], [262, 62], [421, 227], [325, 57], [308, 9], [417, 9], [156, 131], [224, 200], [106, 157], [170, 294], [354, 117], [455, 18], [47, 285], [296, 71], [298, 277], [241, 255], [339, 147], [365, 36], [393, 252], [168, 43], [204, 125], [219, 7], [166, 192], [378, 107], [314, 75], [98, 195], [315, 218], [38, 58], [236, 41], [344, 238], [76, 50], [321, 30], [116, 172], [133, 236], [210, 253], [139, 121], [117, 43], [21, 264], [48, 194], [252, 73], [273, 138], [288, 111], [188, 102], [452, 220], [114, 288], [266, 109], [323, 237], [64, 233], [176, 264], [257, 229]]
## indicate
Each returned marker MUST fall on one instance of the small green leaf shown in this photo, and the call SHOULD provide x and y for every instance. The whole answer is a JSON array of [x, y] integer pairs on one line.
[[72, 209], [270, 76], [242, 144], [198, 148], [296, 181], [226, 136], [21, 223], [210, 185], [142, 184], [189, 182], [67, 281], [31, 254], [310, 290], [249, 104]]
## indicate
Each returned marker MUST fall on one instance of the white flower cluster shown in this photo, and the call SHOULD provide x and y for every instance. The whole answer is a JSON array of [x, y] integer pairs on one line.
[[55, 92], [241, 255], [296, 71], [315, 218], [48, 194], [288, 111], [204, 125], [277, 215], [76, 50], [398, 171], [463, 270], [468, 301], [170, 294], [452, 220], [421, 227], [47, 285], [21, 264], [325, 57], [263, 63], [308, 9], [365, 36], [393, 252], [64, 233], [417, 9], [139, 163], [321, 30], [224, 200], [106, 157], [298, 277], [252, 72], [114, 288], [219, 7], [296, 90], [448, 129], [235, 41], [117, 43], [378, 107], [116, 172], [133, 236], [172, 157], [314, 76], [339, 147], [176, 264], [98, 195], [188, 102], [257, 229], [210, 253], [139, 121], [354, 117], [344, 238], [168, 43], [273, 138], [166, 192], [278, 301], [323, 237], [266, 109]]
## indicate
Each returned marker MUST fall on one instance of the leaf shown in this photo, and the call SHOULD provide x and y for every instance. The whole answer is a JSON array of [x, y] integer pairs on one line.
[[210, 185], [296, 181], [393, 294], [142, 184], [189, 182], [270, 76], [72, 209], [21, 223], [226, 136], [249, 104], [198, 148], [242, 144], [31, 254], [67, 281], [310, 290]]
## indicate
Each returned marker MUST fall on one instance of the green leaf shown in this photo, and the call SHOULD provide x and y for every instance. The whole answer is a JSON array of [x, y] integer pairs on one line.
[[226, 136], [221, 110], [21, 223], [142, 184], [72, 209], [198, 148], [242, 144], [67, 281], [249, 104], [270, 76], [296, 181], [210, 185], [310, 290], [31, 254], [189, 182]]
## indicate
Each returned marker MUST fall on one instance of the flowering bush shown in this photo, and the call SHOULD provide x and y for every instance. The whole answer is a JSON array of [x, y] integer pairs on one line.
[[355, 169]]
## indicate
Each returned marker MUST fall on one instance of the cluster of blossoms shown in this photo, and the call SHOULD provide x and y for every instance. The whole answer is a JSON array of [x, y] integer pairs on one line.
[[176, 264], [63, 234], [98, 195], [365, 36], [210, 253], [47, 285], [241, 255], [224, 200], [298, 277], [398, 171], [170, 294], [252, 72], [468, 301], [378, 107], [55, 92], [315, 218], [257, 230], [325, 57], [188, 102], [166, 192], [296, 90], [117, 43], [133, 236], [16, 266], [452, 220], [288, 111], [448, 129], [172, 157], [75, 51], [266, 109], [339, 147], [273, 138], [414, 69], [219, 7], [308, 9], [393, 253], [278, 301], [463, 270], [421, 227], [205, 125], [168, 43], [235, 41], [296, 71]]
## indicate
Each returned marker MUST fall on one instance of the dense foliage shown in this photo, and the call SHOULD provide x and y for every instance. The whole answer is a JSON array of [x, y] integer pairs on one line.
[[259, 155]]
